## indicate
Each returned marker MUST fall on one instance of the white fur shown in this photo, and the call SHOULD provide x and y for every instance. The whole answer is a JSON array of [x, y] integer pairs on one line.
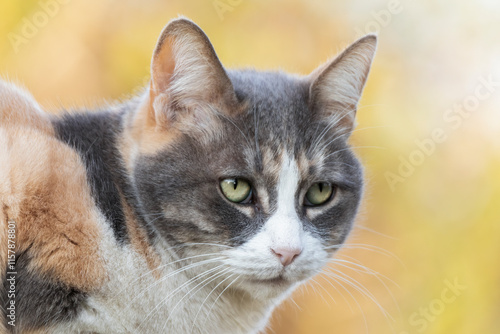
[[284, 228]]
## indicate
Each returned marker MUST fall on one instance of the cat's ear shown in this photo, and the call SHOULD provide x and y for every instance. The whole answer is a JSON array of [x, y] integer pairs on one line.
[[185, 72], [336, 87]]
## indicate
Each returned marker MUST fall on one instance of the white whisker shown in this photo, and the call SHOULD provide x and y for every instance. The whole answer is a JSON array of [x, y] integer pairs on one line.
[[353, 298], [227, 287], [175, 272], [175, 291], [334, 287], [188, 294], [360, 288], [161, 267], [361, 227], [204, 301], [324, 289]]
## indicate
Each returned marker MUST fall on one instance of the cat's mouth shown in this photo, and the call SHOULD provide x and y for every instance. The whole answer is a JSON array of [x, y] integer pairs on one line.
[[278, 279]]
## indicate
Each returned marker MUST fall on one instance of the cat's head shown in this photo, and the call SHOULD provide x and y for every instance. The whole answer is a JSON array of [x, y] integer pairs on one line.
[[251, 166]]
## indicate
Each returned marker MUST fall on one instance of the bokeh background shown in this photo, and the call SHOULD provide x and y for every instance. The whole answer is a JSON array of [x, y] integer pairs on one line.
[[428, 133]]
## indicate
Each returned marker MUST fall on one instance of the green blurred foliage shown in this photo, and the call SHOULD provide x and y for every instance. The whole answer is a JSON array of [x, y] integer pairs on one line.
[[442, 221]]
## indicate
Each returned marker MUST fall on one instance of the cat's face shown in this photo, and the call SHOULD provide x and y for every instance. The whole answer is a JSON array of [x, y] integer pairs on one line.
[[251, 167]]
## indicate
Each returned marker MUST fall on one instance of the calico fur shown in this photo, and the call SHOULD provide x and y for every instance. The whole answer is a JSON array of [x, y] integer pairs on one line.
[[121, 226]]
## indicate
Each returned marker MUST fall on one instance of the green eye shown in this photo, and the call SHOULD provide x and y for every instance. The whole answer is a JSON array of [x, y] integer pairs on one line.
[[319, 193], [236, 190]]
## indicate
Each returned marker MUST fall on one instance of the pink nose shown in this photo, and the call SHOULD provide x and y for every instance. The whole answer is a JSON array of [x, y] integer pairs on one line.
[[286, 255]]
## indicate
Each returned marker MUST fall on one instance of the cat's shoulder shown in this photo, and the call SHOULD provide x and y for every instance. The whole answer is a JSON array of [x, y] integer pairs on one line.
[[18, 109], [44, 191]]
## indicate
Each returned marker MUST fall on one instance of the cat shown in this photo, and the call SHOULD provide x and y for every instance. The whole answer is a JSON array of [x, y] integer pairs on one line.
[[195, 207]]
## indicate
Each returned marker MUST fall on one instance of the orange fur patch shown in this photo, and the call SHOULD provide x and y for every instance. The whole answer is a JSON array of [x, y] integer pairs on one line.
[[43, 188], [139, 240]]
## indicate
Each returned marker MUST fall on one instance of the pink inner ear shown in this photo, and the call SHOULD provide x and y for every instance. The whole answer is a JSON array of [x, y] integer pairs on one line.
[[163, 65]]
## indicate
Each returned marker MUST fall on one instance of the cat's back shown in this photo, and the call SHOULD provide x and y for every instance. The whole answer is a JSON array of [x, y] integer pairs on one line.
[[45, 195], [26, 142]]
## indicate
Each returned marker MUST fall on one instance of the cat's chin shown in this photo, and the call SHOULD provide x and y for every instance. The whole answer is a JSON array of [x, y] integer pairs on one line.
[[270, 288], [279, 284]]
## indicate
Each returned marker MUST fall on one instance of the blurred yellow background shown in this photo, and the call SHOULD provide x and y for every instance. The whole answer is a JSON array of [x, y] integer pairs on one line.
[[430, 114]]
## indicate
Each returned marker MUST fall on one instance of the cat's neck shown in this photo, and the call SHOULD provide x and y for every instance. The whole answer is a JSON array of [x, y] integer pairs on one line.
[[98, 138]]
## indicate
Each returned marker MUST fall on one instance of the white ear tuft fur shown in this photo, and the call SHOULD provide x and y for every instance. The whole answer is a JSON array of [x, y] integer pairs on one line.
[[337, 86]]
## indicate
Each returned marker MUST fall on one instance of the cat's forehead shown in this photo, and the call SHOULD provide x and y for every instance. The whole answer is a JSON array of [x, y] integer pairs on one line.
[[277, 113], [279, 95]]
